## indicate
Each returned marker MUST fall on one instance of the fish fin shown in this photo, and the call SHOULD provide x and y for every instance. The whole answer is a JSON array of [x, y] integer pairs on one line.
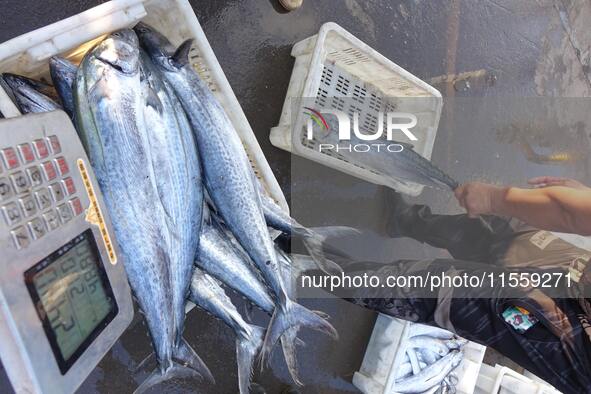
[[248, 308], [181, 55], [289, 341], [143, 363], [153, 101], [291, 314], [314, 241], [157, 377], [184, 354], [247, 349]]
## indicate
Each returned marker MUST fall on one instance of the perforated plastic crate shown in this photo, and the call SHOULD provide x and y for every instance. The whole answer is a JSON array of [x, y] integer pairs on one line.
[[28, 55], [385, 353], [333, 65]]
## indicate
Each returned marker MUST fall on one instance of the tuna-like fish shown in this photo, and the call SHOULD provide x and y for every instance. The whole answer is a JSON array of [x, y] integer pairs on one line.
[[430, 376], [221, 257], [229, 179], [63, 75], [207, 294], [406, 165], [177, 175], [31, 96], [110, 118]]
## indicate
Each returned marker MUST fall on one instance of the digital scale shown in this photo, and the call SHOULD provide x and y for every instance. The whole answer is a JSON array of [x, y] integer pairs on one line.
[[64, 296]]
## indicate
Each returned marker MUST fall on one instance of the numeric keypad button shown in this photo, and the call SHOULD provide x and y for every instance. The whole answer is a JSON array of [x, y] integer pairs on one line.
[[27, 205], [5, 190], [34, 175], [20, 182], [65, 213], [43, 198], [12, 214], [37, 228], [51, 219], [20, 237]]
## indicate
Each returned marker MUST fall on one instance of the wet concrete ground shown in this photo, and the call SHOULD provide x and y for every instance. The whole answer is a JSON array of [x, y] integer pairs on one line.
[[487, 48]]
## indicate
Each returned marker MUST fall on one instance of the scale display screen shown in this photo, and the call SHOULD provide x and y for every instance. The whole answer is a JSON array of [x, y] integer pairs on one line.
[[73, 297]]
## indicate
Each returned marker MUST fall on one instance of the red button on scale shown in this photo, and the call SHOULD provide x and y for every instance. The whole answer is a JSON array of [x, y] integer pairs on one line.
[[41, 149], [62, 165], [69, 186], [9, 157], [76, 206], [26, 153], [55, 144], [49, 170]]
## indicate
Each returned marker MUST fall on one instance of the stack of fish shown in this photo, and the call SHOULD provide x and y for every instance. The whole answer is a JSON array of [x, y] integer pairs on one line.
[[431, 355], [188, 212]]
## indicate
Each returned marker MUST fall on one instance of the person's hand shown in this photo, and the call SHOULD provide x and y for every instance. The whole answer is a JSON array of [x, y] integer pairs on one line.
[[478, 198], [547, 181]]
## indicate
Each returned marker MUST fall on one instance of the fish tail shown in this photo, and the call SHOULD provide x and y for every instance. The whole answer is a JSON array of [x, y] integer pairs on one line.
[[314, 240], [247, 348], [158, 376], [288, 344], [184, 354], [290, 314]]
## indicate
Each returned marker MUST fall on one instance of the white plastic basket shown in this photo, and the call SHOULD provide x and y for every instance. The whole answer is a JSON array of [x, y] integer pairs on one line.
[[503, 380], [334, 64], [28, 55], [385, 352]]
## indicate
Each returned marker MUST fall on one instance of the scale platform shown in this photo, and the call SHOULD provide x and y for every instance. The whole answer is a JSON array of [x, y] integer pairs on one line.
[[64, 295]]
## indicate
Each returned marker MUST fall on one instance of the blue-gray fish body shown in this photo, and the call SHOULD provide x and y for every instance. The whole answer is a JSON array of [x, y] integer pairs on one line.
[[219, 257], [405, 165], [207, 294], [177, 175], [110, 117]]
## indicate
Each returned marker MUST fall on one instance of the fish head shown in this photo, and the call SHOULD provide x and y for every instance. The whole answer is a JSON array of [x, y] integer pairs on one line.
[[63, 67], [16, 82], [160, 49], [120, 50]]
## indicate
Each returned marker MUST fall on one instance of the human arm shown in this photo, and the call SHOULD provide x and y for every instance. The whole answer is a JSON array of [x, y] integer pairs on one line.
[[555, 208]]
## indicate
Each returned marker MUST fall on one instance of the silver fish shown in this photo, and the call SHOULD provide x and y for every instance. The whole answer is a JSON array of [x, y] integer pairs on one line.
[[177, 174], [110, 118], [207, 294], [63, 75], [221, 257], [31, 96], [229, 179], [406, 165], [430, 376]]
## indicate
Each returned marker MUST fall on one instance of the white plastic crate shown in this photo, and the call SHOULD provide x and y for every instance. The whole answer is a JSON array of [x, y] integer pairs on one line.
[[503, 380], [28, 55], [334, 64], [385, 352]]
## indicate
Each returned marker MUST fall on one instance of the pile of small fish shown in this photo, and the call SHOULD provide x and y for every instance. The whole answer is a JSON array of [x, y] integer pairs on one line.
[[188, 212], [431, 355]]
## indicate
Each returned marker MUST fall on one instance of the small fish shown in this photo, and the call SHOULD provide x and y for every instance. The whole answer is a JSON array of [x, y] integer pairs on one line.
[[207, 294], [430, 376], [31, 96], [63, 75]]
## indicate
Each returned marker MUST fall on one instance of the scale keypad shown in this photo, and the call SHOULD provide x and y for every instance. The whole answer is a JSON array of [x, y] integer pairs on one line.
[[36, 193]]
